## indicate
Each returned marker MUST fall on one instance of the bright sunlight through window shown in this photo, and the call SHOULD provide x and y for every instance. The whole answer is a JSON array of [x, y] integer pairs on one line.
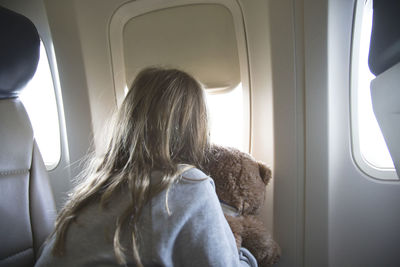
[[226, 116], [371, 143], [39, 100]]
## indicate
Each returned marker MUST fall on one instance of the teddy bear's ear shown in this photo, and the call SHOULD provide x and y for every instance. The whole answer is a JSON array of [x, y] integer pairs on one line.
[[265, 172]]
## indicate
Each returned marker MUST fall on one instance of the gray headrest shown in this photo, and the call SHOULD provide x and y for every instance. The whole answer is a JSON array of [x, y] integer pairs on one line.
[[384, 50], [19, 52]]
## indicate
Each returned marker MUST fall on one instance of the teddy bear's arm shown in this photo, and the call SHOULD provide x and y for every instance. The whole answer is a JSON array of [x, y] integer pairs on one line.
[[258, 240], [236, 226]]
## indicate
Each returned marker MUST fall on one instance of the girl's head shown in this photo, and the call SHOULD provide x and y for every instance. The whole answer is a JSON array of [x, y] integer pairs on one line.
[[162, 121]]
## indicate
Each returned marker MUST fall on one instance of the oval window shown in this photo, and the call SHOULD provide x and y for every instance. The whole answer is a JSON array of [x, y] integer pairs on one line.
[[40, 103]]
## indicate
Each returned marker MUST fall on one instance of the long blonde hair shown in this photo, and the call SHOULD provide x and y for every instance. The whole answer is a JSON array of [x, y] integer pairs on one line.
[[161, 123]]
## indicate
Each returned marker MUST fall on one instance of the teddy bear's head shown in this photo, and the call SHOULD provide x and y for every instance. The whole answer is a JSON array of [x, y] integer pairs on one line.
[[239, 179]]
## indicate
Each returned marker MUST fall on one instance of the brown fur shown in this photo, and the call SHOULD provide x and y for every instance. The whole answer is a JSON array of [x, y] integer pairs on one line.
[[240, 182]]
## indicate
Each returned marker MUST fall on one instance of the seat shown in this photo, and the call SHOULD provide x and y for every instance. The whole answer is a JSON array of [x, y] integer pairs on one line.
[[384, 62], [27, 207]]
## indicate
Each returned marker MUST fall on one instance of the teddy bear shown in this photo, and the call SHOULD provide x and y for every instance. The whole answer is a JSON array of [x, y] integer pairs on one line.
[[240, 183]]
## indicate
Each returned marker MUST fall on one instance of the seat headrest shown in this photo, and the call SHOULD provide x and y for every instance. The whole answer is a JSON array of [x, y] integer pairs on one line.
[[19, 52], [384, 50]]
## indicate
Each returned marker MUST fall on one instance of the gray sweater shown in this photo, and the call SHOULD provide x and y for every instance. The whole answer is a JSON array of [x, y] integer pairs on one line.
[[195, 233]]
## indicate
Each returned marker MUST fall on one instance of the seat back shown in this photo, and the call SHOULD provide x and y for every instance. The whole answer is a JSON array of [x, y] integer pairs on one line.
[[27, 207], [384, 62]]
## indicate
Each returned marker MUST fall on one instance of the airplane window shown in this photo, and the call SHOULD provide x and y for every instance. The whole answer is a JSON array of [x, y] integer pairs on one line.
[[370, 150], [226, 116], [205, 39], [40, 103]]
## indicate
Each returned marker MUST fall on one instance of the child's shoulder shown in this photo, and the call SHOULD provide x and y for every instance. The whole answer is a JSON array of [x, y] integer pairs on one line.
[[194, 175]]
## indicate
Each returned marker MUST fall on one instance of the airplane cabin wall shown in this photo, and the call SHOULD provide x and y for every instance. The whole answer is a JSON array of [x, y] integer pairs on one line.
[[288, 78], [327, 211], [75, 98], [364, 215], [259, 48], [92, 18]]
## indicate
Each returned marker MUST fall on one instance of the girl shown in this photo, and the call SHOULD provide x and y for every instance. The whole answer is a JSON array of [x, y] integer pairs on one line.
[[144, 202]]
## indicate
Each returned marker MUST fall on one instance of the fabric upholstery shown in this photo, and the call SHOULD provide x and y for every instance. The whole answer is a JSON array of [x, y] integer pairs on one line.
[[41, 203]]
